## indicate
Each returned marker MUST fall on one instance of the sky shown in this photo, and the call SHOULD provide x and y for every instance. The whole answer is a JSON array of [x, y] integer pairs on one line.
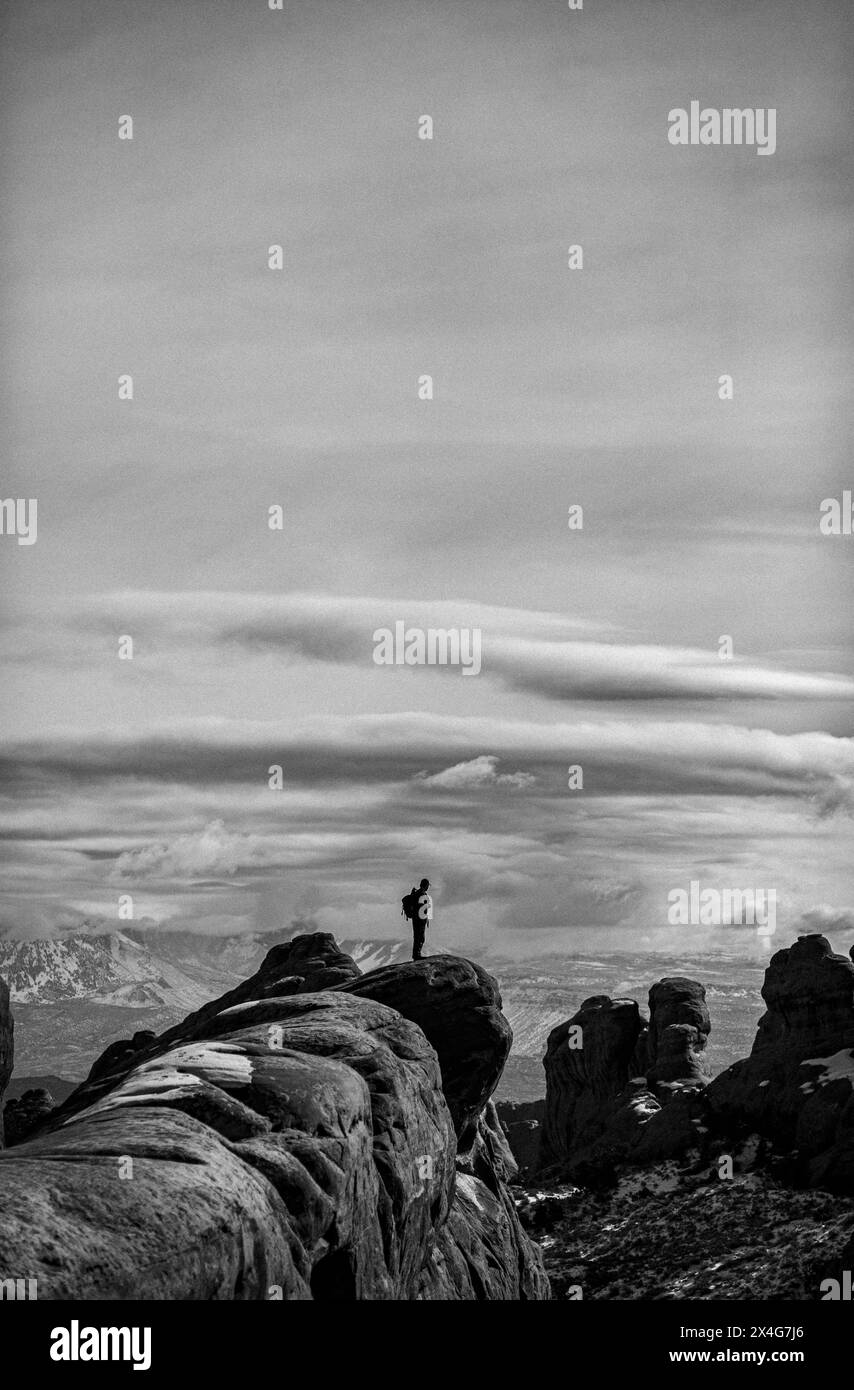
[[298, 388]]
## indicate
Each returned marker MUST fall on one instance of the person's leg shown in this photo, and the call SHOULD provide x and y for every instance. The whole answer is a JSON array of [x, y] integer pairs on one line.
[[417, 938]]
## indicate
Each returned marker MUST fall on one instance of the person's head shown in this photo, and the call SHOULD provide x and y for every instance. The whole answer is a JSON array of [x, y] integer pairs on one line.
[[425, 883]]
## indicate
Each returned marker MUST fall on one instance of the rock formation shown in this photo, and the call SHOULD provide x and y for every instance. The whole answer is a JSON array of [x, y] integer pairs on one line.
[[761, 1203], [290, 1140], [588, 1064], [7, 1047], [25, 1114], [679, 1027], [300, 966], [797, 1086], [611, 1076], [458, 1008], [114, 1057], [522, 1122], [633, 1093]]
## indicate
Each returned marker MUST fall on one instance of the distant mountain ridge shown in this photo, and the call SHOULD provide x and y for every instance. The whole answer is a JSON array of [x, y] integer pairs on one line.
[[74, 994], [111, 968], [137, 968]]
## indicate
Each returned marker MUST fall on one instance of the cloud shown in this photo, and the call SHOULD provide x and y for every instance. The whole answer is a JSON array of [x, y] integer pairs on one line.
[[212, 851], [551, 655], [42, 922], [628, 756], [837, 794], [553, 903], [827, 920], [185, 809], [598, 671], [476, 773]]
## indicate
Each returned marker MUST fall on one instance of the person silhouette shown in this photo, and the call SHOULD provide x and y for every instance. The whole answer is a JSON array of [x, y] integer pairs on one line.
[[417, 908]]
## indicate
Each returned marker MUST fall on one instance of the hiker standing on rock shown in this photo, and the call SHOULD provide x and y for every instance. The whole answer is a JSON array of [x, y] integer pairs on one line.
[[417, 908]]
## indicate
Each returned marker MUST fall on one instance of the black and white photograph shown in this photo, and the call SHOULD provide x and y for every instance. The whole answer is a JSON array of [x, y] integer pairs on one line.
[[427, 667]]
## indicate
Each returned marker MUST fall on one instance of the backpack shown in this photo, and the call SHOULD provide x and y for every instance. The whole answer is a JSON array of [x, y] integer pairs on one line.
[[409, 904]]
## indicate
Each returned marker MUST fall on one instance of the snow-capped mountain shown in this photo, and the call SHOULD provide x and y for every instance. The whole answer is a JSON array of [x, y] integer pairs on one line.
[[370, 955], [157, 969], [76, 993], [104, 969]]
